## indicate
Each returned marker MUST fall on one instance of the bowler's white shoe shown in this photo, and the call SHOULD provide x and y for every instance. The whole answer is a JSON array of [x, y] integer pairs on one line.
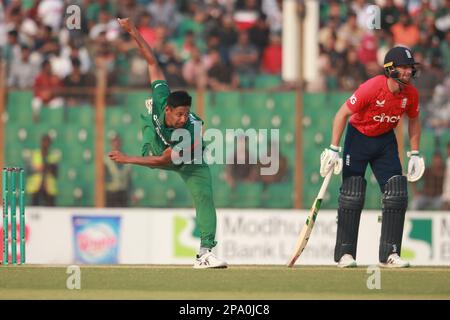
[[347, 261], [394, 261], [208, 260]]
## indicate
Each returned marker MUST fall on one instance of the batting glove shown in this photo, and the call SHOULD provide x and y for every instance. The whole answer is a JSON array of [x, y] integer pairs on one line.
[[330, 160], [416, 166]]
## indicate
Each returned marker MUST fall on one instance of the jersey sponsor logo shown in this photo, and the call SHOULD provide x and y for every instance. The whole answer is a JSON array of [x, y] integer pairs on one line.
[[404, 102], [385, 118], [353, 99], [380, 103]]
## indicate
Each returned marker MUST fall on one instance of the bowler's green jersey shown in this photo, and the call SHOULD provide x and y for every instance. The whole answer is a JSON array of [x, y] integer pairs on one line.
[[156, 135]]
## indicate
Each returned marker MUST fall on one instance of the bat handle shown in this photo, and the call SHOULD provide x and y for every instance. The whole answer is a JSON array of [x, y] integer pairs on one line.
[[324, 186]]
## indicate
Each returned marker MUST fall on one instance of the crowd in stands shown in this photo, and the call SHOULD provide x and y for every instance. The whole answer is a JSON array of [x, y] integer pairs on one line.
[[210, 43], [219, 44]]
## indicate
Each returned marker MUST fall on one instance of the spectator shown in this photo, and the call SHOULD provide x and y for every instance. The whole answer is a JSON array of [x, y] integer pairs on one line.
[[244, 58], [324, 67], [438, 116], [77, 51], [45, 42], [195, 21], [445, 52], [94, 8], [187, 45], [335, 61], [214, 12], [173, 76], [105, 58], [117, 179], [131, 9], [168, 56], [42, 184], [61, 64], [194, 70], [349, 34], [146, 28], [359, 7], [446, 187], [430, 196], [367, 51], [51, 13], [386, 44], [329, 31], [220, 76], [272, 8], [46, 90], [259, 34], [405, 32], [390, 14], [73, 84], [163, 12], [240, 168], [105, 24], [23, 71], [14, 15], [228, 35], [246, 14], [272, 56], [427, 81], [12, 48], [352, 73]]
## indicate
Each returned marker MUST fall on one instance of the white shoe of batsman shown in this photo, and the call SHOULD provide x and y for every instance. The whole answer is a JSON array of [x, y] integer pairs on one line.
[[347, 261], [208, 260], [394, 261]]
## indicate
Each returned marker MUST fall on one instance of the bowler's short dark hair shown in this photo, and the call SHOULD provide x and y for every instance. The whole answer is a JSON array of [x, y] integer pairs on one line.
[[179, 98]]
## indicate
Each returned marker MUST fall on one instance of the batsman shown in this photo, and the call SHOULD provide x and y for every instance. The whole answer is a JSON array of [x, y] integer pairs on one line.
[[166, 113], [374, 110]]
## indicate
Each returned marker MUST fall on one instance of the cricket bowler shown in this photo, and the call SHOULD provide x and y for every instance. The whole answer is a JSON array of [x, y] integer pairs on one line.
[[166, 112]]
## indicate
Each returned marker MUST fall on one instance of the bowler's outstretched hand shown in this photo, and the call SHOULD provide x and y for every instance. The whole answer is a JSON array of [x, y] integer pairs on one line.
[[118, 156]]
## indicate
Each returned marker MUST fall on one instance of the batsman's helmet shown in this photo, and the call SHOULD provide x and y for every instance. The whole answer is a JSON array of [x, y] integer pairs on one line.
[[398, 56]]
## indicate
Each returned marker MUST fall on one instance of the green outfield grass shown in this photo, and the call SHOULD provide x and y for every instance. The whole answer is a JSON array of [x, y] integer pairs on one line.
[[236, 282]]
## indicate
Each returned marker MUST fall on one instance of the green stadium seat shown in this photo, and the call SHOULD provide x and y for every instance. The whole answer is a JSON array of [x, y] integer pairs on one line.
[[247, 195], [267, 81], [52, 116], [83, 115], [279, 195], [19, 107]]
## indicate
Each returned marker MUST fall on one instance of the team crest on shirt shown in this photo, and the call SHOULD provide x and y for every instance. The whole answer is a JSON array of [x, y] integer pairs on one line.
[[149, 105], [404, 102], [380, 103]]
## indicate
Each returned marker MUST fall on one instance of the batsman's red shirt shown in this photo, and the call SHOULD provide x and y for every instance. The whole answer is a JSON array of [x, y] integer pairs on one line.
[[376, 110]]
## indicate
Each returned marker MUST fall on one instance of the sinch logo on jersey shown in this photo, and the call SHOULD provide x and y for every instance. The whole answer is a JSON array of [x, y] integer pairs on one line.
[[385, 118]]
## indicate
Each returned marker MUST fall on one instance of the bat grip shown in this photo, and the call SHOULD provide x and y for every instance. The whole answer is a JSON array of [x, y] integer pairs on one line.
[[324, 186]]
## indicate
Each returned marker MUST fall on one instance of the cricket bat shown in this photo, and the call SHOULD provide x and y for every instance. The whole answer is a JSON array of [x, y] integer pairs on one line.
[[310, 220]]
